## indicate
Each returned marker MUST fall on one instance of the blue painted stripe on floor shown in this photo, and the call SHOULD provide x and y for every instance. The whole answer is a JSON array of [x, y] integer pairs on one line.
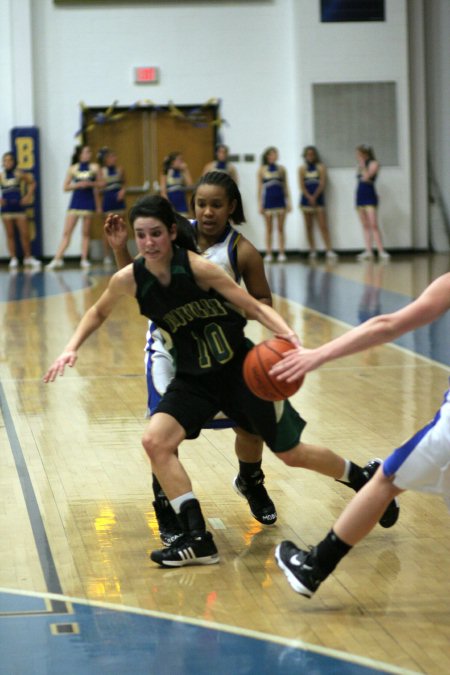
[[47, 562], [353, 303], [113, 642]]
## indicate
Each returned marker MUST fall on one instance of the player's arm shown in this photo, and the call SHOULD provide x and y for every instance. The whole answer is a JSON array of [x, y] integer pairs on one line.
[[116, 234], [210, 276], [430, 305], [121, 283], [251, 268]]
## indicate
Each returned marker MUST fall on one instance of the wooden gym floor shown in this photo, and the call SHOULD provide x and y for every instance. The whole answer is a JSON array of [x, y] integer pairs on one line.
[[78, 593]]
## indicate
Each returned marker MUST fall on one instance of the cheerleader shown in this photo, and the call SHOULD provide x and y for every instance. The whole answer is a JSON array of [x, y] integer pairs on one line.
[[367, 202], [174, 182], [13, 209], [221, 163], [83, 179], [113, 192], [312, 179], [274, 200]]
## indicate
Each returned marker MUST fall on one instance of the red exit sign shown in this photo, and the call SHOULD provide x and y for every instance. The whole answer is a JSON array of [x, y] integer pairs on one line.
[[146, 75]]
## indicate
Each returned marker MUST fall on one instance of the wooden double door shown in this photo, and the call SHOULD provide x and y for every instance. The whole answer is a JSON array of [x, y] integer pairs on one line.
[[141, 137]]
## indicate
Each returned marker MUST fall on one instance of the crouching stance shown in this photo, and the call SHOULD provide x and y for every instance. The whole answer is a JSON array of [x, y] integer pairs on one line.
[[200, 307]]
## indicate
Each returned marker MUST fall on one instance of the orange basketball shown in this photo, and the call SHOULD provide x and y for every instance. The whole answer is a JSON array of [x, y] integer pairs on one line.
[[257, 365]]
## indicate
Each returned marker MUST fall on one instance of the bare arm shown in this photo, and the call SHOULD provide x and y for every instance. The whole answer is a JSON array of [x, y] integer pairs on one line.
[[187, 178], [208, 275], [251, 268], [207, 168], [259, 178], [69, 183], [116, 233], [430, 305], [287, 193], [322, 180], [97, 185], [123, 190], [301, 181], [121, 283], [233, 173], [163, 185], [31, 187], [369, 172]]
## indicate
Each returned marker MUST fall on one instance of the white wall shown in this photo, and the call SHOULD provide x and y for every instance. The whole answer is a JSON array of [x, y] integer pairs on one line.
[[358, 52], [6, 107], [437, 30], [238, 53], [259, 57]]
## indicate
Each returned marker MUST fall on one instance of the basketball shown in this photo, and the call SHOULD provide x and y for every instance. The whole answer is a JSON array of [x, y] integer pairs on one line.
[[257, 365]]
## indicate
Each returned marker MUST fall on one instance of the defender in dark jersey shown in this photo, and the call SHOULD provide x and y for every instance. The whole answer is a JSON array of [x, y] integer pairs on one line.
[[200, 306]]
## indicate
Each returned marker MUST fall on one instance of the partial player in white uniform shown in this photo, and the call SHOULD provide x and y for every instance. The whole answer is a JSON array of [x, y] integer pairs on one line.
[[422, 463]]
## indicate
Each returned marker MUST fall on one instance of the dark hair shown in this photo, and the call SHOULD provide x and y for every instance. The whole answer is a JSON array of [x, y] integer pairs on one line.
[[266, 153], [102, 154], [315, 151], [167, 162], [155, 206], [366, 150], [224, 181], [77, 152], [221, 145], [10, 154]]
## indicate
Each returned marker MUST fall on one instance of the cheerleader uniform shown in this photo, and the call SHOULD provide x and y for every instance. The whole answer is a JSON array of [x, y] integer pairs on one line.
[[366, 195], [312, 182], [159, 365], [220, 166], [274, 199], [114, 183], [176, 190], [11, 194], [82, 202]]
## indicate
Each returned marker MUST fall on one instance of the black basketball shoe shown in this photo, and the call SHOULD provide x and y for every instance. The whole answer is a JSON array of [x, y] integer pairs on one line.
[[390, 516], [169, 528], [188, 550], [300, 568], [253, 490]]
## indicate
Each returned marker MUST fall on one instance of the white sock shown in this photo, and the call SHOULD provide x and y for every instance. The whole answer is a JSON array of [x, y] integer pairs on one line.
[[345, 475], [178, 501]]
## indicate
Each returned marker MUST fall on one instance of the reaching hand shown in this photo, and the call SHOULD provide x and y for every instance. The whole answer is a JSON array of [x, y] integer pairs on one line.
[[295, 364], [57, 368], [116, 231]]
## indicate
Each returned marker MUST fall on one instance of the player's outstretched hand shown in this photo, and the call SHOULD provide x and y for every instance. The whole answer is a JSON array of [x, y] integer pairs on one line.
[[57, 368], [295, 364], [116, 231]]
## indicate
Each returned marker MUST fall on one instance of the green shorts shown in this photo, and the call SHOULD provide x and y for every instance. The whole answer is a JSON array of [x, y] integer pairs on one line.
[[193, 399]]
